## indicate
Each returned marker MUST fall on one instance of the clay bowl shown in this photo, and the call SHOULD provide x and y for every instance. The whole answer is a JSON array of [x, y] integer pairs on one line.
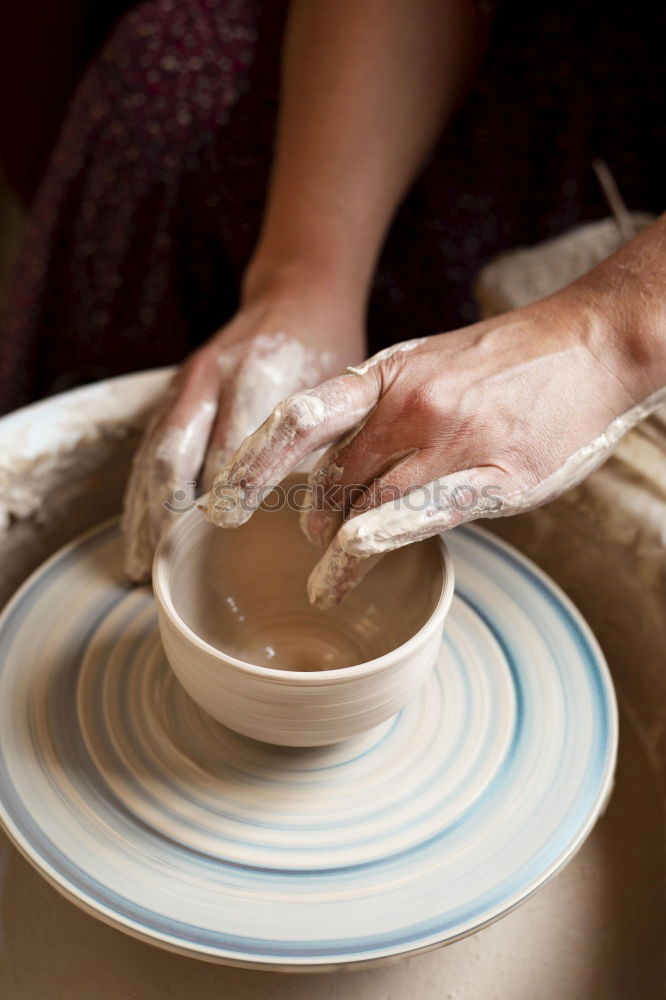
[[242, 639]]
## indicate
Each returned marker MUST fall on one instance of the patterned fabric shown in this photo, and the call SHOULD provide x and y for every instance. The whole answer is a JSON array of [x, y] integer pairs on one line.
[[152, 201]]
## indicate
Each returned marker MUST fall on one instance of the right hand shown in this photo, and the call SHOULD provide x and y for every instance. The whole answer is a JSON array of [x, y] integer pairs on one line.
[[278, 343], [485, 421]]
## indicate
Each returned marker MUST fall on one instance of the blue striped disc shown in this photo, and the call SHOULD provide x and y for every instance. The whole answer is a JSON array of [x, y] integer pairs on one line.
[[155, 818]]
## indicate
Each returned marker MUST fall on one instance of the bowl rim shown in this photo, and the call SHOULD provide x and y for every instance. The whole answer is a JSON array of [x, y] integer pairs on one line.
[[162, 592]]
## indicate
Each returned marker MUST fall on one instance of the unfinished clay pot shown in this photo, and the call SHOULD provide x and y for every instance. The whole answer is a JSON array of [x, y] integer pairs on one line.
[[245, 643]]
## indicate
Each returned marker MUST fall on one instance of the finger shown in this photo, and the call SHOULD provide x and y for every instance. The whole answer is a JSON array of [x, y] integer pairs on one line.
[[221, 444], [174, 464], [345, 475], [274, 367], [297, 426], [338, 572], [167, 461], [426, 510], [136, 547], [134, 522]]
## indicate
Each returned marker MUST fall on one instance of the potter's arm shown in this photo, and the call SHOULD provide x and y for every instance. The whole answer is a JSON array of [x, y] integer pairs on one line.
[[367, 87], [493, 419]]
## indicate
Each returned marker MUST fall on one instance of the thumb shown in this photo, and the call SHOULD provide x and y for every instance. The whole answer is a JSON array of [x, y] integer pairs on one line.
[[298, 425], [426, 510]]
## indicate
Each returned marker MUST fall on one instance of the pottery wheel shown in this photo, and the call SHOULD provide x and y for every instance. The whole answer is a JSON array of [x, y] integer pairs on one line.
[[153, 817]]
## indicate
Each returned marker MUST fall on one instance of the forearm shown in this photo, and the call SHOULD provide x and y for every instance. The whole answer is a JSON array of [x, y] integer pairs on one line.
[[626, 297], [367, 86]]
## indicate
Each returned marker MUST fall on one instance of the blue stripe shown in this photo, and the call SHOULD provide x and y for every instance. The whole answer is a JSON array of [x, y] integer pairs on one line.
[[75, 756]]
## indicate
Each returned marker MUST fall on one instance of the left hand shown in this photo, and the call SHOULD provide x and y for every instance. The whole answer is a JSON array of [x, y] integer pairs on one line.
[[488, 420], [280, 341]]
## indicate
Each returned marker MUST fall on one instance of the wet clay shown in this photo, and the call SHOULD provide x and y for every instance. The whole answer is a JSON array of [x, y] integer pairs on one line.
[[244, 592]]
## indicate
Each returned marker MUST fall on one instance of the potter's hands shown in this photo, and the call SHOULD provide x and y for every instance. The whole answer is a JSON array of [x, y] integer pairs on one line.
[[276, 344], [492, 419]]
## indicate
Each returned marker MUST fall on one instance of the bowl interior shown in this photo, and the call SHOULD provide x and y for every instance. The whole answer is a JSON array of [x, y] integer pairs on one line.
[[243, 591]]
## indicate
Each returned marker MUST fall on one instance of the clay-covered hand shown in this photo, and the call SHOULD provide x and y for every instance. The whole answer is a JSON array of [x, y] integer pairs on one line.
[[275, 345], [484, 421]]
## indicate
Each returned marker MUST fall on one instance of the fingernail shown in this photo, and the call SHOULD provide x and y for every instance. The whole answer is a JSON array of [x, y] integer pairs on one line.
[[319, 528], [334, 576], [230, 506], [366, 536], [324, 582], [216, 464]]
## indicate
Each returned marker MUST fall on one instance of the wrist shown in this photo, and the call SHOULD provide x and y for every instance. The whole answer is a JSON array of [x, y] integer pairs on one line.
[[624, 300], [299, 278], [305, 304], [324, 249]]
